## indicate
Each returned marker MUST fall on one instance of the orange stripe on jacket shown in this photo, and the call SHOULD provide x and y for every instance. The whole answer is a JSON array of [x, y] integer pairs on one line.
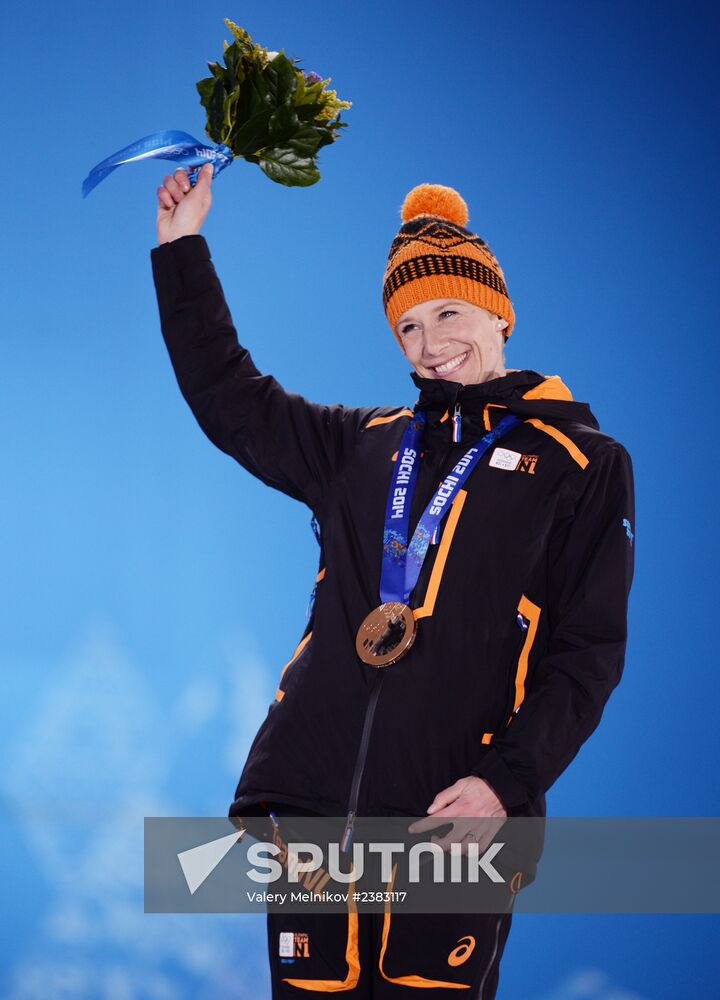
[[279, 694], [412, 980], [384, 420], [352, 957], [552, 387], [581, 459], [441, 557], [532, 613]]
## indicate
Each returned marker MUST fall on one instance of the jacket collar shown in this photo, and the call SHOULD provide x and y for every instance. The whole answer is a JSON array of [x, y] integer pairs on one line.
[[525, 393], [438, 395]]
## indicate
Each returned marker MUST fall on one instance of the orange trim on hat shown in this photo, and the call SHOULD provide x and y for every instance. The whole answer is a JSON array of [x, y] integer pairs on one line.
[[444, 287]]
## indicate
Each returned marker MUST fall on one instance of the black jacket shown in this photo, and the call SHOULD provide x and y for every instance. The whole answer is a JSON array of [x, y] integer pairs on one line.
[[522, 604]]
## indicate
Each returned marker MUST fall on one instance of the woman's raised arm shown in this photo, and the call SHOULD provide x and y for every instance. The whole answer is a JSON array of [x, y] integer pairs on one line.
[[288, 442]]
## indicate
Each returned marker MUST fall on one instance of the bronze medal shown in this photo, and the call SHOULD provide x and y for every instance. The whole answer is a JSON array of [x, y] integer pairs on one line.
[[386, 634]]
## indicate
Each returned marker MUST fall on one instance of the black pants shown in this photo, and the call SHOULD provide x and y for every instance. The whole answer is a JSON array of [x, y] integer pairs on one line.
[[380, 955], [385, 954]]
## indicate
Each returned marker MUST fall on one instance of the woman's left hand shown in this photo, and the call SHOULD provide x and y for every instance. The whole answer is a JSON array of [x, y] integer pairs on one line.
[[480, 813], [470, 796]]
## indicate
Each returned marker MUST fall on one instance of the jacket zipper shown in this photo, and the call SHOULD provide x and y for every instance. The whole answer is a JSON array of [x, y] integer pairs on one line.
[[455, 436], [522, 625], [347, 834], [457, 423]]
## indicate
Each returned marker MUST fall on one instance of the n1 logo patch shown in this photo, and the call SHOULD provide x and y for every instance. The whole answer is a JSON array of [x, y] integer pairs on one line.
[[294, 945]]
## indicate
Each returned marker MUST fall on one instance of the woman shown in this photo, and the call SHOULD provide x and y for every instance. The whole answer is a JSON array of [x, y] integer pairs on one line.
[[470, 614]]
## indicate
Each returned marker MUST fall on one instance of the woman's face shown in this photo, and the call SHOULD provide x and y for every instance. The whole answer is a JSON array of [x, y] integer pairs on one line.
[[453, 339]]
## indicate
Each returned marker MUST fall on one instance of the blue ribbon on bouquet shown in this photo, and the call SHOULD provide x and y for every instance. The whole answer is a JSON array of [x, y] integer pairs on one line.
[[180, 147]]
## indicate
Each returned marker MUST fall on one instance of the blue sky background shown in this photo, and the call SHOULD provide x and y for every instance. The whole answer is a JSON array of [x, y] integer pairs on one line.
[[143, 568]]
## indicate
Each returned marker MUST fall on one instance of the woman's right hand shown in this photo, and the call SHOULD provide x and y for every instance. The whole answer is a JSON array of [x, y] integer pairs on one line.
[[182, 209]]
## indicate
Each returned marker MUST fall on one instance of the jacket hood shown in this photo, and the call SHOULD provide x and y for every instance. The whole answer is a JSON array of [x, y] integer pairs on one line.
[[524, 392]]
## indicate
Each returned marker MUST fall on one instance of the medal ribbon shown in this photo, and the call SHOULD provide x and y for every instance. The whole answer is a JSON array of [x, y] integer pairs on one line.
[[169, 145], [402, 562]]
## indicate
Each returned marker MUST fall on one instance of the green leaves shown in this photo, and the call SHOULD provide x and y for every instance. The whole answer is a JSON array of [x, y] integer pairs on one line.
[[268, 111], [246, 137], [280, 80], [282, 164], [212, 97]]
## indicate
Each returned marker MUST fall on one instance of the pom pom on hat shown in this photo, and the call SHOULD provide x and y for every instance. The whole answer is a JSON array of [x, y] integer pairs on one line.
[[435, 199]]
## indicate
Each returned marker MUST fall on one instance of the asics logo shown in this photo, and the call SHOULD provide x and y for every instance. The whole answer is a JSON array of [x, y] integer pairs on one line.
[[464, 950]]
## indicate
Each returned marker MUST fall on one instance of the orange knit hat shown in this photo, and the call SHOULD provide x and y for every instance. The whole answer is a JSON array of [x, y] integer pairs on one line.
[[434, 256]]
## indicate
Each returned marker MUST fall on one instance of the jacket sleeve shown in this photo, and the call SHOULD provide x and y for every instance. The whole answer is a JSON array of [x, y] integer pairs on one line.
[[289, 443], [590, 571]]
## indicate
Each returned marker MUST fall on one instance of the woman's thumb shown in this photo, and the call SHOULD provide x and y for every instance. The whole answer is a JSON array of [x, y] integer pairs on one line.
[[205, 175], [446, 796], [442, 799]]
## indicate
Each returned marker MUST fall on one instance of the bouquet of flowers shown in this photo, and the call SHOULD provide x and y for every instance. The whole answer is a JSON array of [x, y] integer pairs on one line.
[[260, 107], [265, 109]]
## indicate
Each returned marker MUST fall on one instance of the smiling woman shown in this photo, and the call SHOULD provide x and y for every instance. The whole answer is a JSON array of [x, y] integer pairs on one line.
[[459, 337], [494, 603], [444, 338]]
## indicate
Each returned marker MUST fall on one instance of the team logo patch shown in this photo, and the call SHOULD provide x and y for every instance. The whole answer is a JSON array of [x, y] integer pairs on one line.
[[464, 950], [294, 945], [503, 458]]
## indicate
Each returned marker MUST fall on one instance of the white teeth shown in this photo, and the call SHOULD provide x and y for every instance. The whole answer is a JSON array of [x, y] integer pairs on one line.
[[451, 365]]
